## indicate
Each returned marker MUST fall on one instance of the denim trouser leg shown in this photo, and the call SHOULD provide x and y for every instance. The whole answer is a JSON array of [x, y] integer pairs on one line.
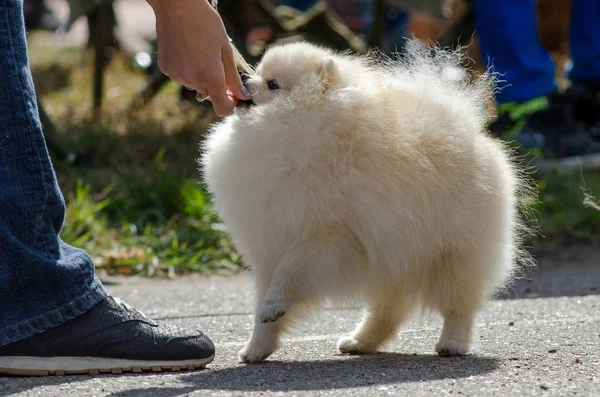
[[585, 40], [43, 281], [508, 37]]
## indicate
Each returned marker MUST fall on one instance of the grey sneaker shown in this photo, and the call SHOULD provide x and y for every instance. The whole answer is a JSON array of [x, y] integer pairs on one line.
[[112, 337]]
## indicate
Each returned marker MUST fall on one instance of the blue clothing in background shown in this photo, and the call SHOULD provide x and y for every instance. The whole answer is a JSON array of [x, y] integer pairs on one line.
[[508, 37]]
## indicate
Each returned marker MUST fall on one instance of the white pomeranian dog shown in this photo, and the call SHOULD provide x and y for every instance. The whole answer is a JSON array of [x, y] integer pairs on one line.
[[345, 178]]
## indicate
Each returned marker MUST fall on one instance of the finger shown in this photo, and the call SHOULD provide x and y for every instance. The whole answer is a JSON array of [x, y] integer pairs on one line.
[[215, 83], [232, 77], [232, 98]]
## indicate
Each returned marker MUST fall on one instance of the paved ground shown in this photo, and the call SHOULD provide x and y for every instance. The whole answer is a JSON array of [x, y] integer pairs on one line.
[[542, 340]]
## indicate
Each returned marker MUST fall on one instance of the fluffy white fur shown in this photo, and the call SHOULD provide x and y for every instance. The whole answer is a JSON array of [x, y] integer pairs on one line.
[[366, 179]]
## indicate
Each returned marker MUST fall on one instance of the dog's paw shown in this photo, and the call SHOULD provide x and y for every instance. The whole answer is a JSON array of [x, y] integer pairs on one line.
[[271, 311], [254, 354], [451, 348], [350, 345]]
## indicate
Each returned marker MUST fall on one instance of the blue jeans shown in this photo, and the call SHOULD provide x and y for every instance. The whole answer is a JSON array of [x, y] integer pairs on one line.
[[43, 281], [509, 39]]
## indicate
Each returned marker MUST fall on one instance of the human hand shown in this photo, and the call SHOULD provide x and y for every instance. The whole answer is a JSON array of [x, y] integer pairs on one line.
[[194, 50]]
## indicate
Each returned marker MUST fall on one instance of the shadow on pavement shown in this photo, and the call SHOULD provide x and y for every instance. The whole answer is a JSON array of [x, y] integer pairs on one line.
[[346, 372]]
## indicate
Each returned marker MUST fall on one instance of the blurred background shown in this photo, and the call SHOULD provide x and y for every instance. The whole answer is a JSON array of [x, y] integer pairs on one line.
[[124, 139]]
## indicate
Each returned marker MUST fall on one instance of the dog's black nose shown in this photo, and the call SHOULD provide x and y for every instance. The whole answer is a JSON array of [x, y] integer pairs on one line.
[[244, 77]]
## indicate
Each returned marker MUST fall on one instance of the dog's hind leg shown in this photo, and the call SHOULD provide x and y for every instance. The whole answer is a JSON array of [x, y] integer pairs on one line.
[[457, 332], [458, 291], [383, 317]]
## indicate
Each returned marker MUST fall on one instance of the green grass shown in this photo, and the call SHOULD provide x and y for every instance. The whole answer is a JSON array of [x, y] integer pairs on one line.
[[192, 240], [140, 207], [566, 209]]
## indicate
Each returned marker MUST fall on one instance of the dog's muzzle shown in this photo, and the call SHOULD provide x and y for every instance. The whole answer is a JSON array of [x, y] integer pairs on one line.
[[245, 102]]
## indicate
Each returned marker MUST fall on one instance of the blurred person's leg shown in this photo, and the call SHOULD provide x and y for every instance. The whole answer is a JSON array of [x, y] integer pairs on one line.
[[585, 40], [54, 313], [509, 40], [530, 111], [584, 43]]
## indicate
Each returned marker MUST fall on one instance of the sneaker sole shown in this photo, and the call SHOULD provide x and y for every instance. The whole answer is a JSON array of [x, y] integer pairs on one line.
[[60, 366]]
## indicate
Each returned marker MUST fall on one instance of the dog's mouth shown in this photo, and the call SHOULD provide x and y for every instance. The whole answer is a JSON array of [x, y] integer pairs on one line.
[[245, 103]]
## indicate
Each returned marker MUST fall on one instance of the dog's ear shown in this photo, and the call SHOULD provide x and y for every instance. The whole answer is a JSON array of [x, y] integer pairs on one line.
[[329, 72]]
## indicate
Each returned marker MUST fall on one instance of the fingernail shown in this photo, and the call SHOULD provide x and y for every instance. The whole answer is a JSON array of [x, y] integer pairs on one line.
[[245, 92]]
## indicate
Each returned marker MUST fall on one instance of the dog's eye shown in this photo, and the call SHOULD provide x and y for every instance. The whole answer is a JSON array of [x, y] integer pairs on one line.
[[272, 84]]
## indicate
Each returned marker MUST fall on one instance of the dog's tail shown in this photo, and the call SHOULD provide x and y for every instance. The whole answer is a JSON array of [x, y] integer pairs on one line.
[[444, 75]]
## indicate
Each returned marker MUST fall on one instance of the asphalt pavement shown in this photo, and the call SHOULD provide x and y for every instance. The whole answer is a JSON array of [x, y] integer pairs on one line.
[[542, 339]]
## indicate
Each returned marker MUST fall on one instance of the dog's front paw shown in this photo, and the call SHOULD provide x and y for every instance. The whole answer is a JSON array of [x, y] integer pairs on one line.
[[451, 348], [254, 354], [270, 311], [350, 345]]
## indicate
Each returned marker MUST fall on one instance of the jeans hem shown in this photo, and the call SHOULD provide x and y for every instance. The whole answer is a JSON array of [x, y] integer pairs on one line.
[[54, 318]]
